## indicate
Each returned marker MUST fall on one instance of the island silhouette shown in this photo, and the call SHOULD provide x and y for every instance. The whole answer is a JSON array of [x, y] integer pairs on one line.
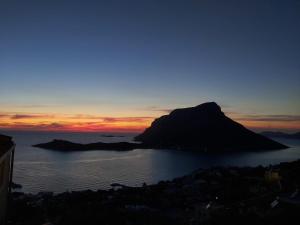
[[204, 128]]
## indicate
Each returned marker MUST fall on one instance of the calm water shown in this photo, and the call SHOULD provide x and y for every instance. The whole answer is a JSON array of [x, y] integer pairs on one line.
[[45, 170]]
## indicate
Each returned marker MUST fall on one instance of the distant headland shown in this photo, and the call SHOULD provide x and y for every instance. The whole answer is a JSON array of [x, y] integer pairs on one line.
[[281, 135], [204, 128]]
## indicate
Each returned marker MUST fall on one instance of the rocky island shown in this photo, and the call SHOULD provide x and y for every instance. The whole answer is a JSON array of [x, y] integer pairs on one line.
[[203, 128]]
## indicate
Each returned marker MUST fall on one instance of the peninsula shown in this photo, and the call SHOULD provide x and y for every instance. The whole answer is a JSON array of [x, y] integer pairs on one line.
[[62, 145]]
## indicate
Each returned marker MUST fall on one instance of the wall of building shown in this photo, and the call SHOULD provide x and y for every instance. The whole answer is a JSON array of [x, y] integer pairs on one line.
[[4, 183]]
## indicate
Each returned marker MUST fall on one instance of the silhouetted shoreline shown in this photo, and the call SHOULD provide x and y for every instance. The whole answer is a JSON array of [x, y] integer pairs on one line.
[[220, 195], [68, 146]]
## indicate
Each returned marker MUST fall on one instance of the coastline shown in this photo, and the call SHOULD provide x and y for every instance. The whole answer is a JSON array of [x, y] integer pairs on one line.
[[247, 195]]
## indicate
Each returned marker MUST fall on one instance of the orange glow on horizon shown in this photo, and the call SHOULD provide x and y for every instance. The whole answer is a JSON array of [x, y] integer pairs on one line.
[[274, 125], [94, 123], [72, 123]]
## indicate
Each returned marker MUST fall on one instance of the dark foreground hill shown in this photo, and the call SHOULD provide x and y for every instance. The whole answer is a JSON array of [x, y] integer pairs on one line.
[[203, 127], [216, 196]]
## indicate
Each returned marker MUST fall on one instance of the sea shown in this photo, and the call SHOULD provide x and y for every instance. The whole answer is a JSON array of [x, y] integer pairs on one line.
[[40, 170]]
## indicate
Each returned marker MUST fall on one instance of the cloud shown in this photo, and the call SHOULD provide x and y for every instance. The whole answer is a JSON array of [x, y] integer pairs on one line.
[[30, 116], [34, 106], [22, 116], [65, 122], [270, 118], [125, 119], [3, 124], [28, 126], [107, 119], [55, 125], [157, 109], [61, 126], [94, 123], [3, 115]]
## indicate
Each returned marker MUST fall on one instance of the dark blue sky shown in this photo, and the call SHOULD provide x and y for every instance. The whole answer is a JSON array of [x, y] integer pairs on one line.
[[120, 57]]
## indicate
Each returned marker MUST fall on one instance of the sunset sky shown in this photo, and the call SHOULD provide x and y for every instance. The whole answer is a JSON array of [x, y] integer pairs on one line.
[[116, 65]]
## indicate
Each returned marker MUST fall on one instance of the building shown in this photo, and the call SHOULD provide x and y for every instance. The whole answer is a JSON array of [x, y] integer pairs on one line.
[[6, 166]]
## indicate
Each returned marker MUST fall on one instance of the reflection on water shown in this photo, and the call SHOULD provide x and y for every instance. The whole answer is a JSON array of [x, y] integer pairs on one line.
[[45, 170]]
